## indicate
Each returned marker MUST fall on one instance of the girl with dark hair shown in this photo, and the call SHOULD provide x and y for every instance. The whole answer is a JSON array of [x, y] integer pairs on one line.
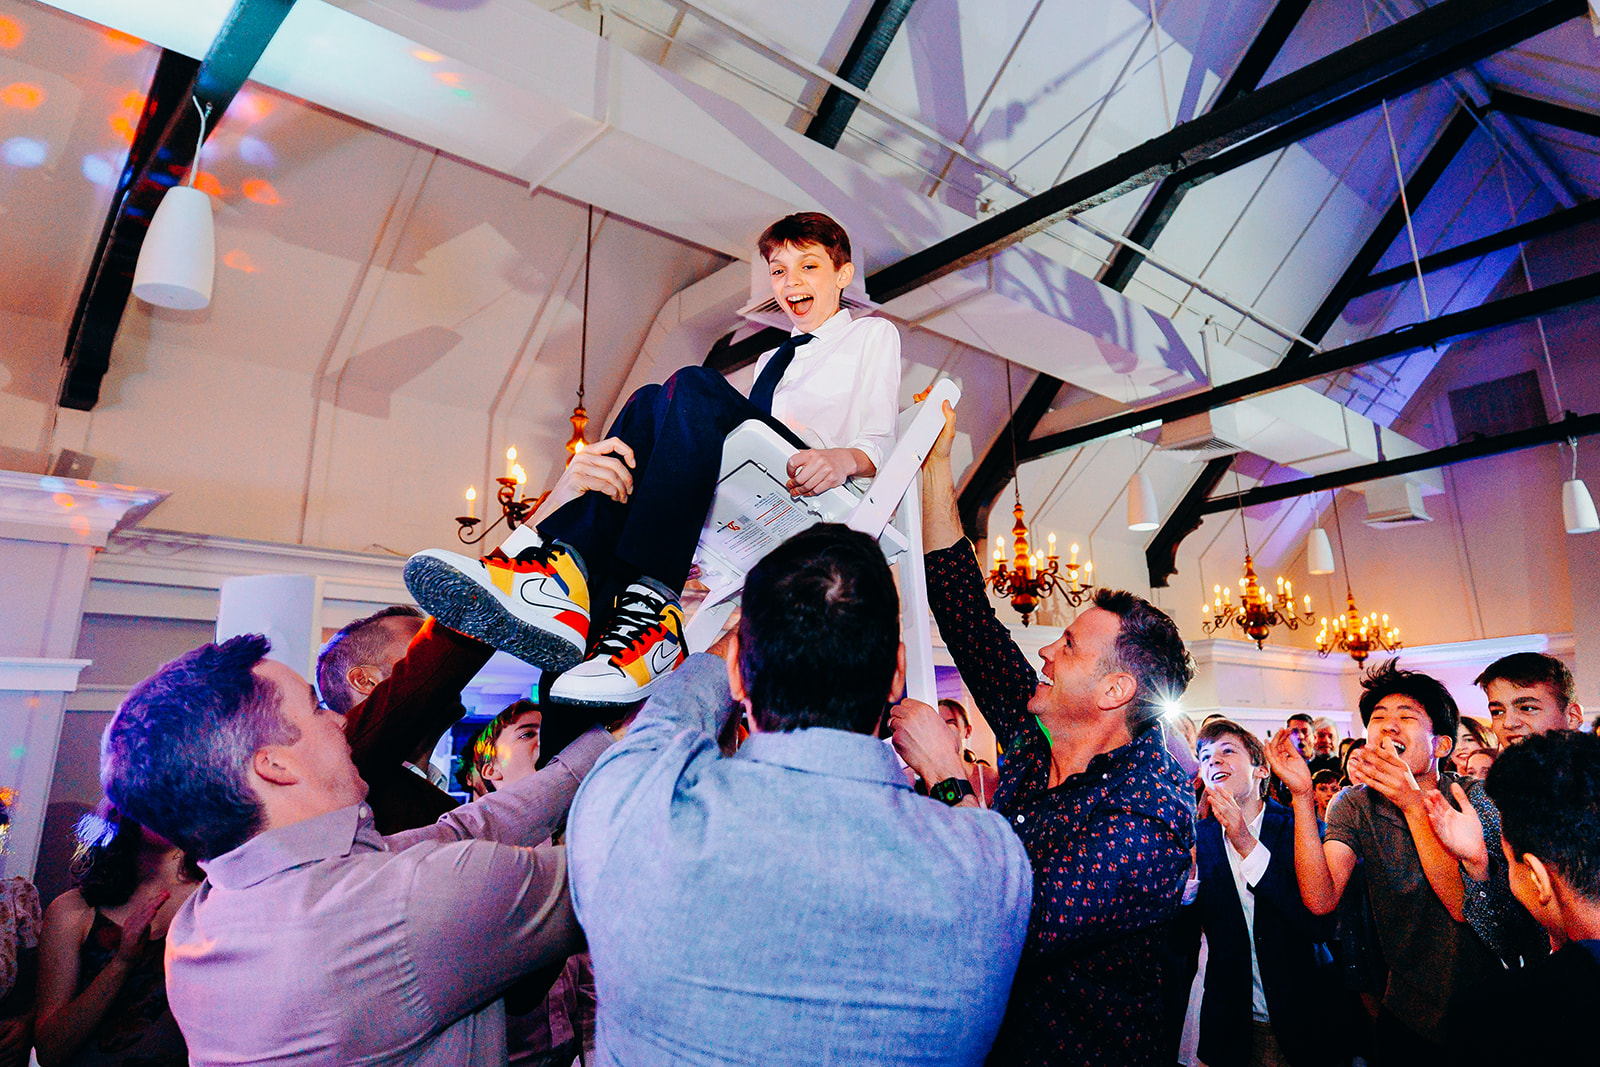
[[102, 991]]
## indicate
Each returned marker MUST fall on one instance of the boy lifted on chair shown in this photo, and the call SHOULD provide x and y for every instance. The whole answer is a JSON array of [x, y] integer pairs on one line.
[[627, 514]]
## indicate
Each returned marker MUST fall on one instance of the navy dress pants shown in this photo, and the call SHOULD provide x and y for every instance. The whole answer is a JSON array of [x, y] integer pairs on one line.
[[676, 431]]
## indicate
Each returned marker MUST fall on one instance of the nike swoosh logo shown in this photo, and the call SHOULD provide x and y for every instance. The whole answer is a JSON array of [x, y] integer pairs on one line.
[[663, 655], [532, 591]]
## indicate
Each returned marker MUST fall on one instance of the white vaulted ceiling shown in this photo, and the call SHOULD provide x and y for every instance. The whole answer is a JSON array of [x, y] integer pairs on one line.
[[394, 305]]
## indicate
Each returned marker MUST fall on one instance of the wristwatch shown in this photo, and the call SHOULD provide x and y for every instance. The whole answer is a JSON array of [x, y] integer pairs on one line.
[[951, 790]]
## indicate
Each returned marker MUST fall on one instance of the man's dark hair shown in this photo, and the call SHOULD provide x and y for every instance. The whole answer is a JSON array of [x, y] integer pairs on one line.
[[176, 754], [1324, 775], [1149, 648], [1216, 728], [355, 644], [1387, 679], [819, 632], [1548, 792], [1528, 669], [806, 228], [480, 750], [1301, 716]]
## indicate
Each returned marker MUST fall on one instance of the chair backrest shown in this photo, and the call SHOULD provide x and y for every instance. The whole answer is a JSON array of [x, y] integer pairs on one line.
[[752, 513]]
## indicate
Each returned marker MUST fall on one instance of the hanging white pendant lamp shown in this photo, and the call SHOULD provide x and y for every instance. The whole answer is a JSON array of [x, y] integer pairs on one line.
[[1319, 552], [1142, 513], [178, 259], [179, 256], [1577, 508]]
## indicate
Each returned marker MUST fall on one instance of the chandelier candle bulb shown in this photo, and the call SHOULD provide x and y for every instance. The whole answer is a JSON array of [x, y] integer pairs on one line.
[[518, 475], [472, 501], [511, 463]]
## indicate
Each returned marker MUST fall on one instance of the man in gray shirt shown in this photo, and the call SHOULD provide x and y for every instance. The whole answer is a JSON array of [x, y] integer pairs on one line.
[[797, 903], [313, 939]]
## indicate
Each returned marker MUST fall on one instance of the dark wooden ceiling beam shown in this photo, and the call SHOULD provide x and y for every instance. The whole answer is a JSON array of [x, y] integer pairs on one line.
[[871, 44], [163, 150]]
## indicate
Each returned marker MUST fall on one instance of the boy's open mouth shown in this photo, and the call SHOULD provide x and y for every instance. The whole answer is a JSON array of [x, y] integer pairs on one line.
[[799, 305]]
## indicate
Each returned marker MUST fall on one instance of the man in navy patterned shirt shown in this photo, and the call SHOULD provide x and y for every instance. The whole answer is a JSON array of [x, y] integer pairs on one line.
[[1105, 813]]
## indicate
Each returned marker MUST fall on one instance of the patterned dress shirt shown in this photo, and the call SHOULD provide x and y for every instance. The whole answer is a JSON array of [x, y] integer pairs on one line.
[[1110, 850]]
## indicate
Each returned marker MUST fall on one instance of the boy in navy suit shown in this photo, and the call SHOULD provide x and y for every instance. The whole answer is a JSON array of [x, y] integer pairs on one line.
[[1268, 975]]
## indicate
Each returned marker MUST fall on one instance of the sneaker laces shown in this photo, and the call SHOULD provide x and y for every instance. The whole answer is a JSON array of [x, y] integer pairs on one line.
[[532, 554], [639, 610]]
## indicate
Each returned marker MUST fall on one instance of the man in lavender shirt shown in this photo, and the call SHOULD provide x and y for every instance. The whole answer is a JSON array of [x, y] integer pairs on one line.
[[313, 939]]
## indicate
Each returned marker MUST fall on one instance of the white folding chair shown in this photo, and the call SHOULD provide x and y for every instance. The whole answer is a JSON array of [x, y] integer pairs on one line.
[[752, 513]]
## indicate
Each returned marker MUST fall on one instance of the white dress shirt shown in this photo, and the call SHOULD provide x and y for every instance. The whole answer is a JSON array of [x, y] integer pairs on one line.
[[1247, 873], [843, 388]]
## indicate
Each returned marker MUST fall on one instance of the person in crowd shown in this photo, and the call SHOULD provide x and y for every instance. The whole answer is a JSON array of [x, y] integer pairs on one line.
[[1267, 988], [1414, 885], [313, 939], [832, 391], [396, 678], [1478, 766], [543, 1029], [1324, 787], [469, 767], [1298, 726], [1547, 789], [1105, 812], [980, 772], [1529, 693], [19, 957], [513, 737], [102, 990], [1356, 744], [797, 903], [1474, 736], [1324, 741]]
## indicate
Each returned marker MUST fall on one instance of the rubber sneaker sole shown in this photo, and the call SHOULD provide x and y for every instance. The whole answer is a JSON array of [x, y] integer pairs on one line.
[[470, 608], [579, 690]]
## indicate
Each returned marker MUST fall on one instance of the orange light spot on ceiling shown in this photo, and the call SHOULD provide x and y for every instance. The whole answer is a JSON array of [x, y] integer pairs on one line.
[[23, 95], [208, 184], [449, 77], [426, 56], [251, 106], [11, 32], [122, 42], [260, 190], [124, 127], [238, 259], [132, 100], [64, 499]]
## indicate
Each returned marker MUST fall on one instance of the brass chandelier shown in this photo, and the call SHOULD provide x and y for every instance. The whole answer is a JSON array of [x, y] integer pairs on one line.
[[1257, 612], [1359, 635]]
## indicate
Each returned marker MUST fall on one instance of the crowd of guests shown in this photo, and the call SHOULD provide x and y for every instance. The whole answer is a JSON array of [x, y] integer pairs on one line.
[[739, 870]]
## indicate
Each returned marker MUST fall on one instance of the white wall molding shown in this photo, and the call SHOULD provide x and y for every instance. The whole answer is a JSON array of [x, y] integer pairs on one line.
[[40, 507], [168, 574], [29, 674]]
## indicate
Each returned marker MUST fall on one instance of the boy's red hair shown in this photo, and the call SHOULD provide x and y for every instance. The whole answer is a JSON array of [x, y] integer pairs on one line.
[[806, 228]]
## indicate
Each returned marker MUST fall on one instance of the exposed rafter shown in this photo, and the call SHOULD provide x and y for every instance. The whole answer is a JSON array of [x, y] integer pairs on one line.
[[1525, 107], [163, 149], [728, 355], [1569, 428], [1394, 60], [991, 474], [1555, 222], [1161, 554], [860, 63], [1163, 202], [1397, 342], [1443, 152]]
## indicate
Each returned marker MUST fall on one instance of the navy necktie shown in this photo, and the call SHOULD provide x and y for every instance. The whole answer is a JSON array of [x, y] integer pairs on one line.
[[767, 383]]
